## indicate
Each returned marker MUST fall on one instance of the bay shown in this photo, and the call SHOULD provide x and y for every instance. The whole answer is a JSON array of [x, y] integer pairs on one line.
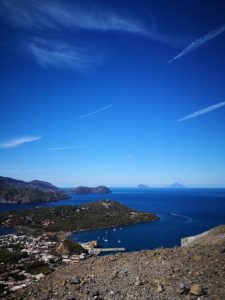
[[182, 212]]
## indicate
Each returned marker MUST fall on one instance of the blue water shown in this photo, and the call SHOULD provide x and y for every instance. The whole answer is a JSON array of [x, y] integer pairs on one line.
[[182, 213]]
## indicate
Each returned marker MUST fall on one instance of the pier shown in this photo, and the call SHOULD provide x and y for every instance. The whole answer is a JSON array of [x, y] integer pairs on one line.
[[111, 249], [97, 251]]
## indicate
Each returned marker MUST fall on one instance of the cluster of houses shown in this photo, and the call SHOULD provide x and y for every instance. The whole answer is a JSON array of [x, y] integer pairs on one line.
[[25, 259]]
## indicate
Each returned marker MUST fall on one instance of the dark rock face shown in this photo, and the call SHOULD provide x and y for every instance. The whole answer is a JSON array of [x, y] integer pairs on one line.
[[92, 190], [18, 191]]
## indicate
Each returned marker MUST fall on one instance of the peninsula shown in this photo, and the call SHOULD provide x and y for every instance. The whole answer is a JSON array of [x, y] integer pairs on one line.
[[36, 191], [91, 216]]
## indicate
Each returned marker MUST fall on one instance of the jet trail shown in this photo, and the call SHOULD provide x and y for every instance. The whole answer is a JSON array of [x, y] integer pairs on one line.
[[202, 111], [200, 41]]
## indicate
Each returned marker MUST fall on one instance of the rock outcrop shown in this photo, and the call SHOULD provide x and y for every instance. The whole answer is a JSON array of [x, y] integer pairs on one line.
[[69, 247]]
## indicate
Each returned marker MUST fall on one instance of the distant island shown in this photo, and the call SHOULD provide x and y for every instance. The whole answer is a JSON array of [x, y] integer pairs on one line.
[[176, 185], [143, 186], [92, 190], [36, 191]]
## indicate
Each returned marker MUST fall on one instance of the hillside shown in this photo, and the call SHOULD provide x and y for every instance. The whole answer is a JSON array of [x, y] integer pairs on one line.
[[92, 190], [36, 191], [94, 215], [162, 274]]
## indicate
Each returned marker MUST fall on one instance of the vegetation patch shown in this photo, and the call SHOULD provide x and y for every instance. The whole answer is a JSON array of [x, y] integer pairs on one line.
[[100, 214]]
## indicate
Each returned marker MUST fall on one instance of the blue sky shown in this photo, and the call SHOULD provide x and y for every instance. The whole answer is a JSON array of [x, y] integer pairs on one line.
[[113, 92]]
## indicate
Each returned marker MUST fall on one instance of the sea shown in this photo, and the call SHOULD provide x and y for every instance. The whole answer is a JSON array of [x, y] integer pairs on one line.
[[182, 212]]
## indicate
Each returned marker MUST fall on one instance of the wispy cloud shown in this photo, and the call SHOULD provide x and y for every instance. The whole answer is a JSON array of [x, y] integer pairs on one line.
[[65, 148], [203, 111], [94, 112], [199, 42], [58, 54], [19, 141], [43, 18], [45, 14]]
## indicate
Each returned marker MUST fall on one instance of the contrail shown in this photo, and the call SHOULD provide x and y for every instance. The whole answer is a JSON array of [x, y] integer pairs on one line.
[[200, 41], [19, 141], [94, 112], [202, 111], [65, 148]]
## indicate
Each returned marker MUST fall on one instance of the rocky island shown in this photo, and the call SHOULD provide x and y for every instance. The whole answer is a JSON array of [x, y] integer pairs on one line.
[[176, 185], [36, 191], [92, 190], [143, 186]]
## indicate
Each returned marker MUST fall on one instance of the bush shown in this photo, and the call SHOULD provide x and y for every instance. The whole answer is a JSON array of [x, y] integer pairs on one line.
[[11, 257], [37, 267]]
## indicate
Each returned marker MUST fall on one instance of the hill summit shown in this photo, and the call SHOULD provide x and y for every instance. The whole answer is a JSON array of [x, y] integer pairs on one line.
[[92, 190]]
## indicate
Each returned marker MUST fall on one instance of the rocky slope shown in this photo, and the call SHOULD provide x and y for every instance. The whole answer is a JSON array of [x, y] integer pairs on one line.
[[92, 190], [194, 272], [18, 191]]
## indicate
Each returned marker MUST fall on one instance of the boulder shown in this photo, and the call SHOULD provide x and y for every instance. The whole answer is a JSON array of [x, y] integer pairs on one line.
[[196, 289]]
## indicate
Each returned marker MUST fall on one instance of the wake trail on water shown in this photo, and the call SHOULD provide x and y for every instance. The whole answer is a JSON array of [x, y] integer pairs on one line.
[[182, 216]]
